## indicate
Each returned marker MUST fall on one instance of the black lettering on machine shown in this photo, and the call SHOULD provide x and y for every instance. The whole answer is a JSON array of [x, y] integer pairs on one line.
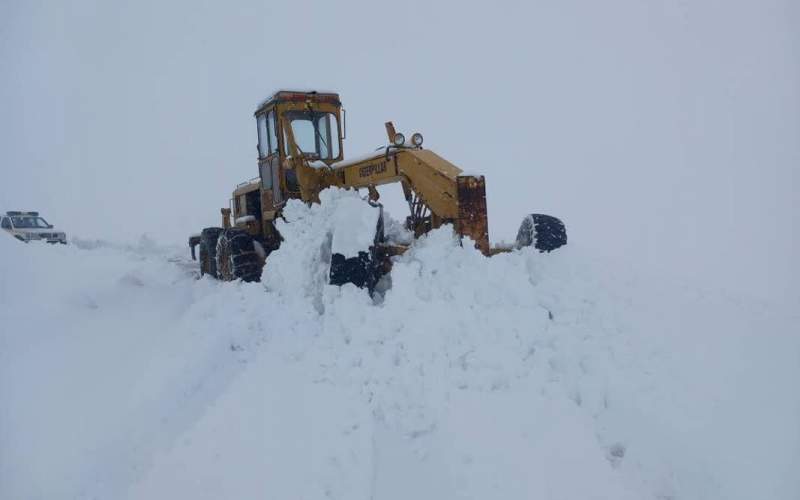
[[370, 170]]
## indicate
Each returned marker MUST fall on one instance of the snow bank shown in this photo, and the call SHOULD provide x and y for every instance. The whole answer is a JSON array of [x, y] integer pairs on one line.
[[521, 376]]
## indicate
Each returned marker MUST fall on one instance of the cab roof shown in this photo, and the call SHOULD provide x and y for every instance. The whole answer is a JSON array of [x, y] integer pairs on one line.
[[299, 96], [248, 186]]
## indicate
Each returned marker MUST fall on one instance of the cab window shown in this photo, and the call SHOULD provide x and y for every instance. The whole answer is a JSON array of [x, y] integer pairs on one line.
[[267, 135], [273, 133], [6, 224], [315, 133], [329, 129], [263, 141], [266, 175]]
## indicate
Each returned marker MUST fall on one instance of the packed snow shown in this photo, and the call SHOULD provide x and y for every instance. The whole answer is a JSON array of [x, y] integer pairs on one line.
[[524, 375], [354, 222], [244, 219]]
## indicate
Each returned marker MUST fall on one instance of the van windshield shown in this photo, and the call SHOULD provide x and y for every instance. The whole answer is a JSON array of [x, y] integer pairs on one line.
[[316, 133], [29, 222]]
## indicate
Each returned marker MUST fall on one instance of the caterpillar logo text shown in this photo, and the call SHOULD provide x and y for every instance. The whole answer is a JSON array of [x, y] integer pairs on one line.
[[369, 170]]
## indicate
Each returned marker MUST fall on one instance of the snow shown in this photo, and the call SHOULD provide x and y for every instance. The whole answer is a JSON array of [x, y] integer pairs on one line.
[[524, 375], [244, 219], [375, 155], [317, 164], [353, 222]]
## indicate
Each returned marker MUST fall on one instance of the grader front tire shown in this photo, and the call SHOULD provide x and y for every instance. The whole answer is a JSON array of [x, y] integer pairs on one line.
[[543, 232]]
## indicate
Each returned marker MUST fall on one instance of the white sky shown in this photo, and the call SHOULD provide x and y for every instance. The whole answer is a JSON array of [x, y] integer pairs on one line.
[[665, 133]]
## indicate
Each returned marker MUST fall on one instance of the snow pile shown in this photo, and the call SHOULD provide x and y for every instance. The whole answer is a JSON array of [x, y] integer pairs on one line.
[[525, 375], [353, 226], [300, 270]]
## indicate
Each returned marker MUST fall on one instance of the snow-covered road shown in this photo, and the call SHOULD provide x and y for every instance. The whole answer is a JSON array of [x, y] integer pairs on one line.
[[520, 376]]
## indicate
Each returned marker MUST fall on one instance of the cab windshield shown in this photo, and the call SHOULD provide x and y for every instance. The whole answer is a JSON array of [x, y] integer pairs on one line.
[[29, 222], [316, 133]]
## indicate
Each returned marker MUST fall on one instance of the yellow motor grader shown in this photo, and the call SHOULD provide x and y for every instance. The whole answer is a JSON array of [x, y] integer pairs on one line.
[[300, 153]]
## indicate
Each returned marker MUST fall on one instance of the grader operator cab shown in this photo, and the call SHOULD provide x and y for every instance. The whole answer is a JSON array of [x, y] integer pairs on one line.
[[300, 153]]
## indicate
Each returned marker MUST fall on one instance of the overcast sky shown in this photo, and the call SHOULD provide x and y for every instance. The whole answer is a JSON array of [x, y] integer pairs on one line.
[[665, 133]]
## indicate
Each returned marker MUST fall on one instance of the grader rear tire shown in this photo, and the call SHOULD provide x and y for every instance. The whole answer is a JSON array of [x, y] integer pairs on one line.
[[236, 256], [208, 251]]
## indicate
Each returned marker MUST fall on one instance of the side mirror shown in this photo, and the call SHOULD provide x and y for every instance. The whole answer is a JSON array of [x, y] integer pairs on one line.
[[49, 226]]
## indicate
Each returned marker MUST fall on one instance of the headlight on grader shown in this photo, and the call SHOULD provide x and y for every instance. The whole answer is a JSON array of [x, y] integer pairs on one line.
[[399, 139], [416, 139]]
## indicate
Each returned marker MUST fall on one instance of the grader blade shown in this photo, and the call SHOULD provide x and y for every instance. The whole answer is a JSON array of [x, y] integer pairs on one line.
[[472, 220]]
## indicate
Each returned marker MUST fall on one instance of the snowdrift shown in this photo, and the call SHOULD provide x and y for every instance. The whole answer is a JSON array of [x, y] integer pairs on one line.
[[525, 375]]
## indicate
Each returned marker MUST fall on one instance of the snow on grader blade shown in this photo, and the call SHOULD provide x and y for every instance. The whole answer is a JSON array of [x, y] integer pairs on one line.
[[300, 153]]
